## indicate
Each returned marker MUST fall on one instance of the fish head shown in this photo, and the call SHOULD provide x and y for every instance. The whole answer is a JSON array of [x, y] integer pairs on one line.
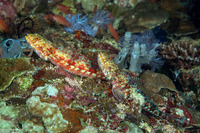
[[33, 39], [39, 44]]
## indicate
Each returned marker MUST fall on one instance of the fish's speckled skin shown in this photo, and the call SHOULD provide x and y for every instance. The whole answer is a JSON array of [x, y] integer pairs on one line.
[[112, 72], [125, 87], [70, 60]]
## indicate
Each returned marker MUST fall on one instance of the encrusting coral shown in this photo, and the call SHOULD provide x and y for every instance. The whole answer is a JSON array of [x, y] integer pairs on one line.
[[181, 54], [11, 68]]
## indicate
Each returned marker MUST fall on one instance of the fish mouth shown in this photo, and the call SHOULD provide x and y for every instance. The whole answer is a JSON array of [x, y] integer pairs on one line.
[[28, 38]]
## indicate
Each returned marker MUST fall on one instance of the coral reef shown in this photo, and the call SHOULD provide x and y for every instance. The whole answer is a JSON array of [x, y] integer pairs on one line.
[[79, 24], [89, 6], [142, 50], [25, 81], [161, 90], [20, 5], [31, 126], [86, 67], [8, 9], [180, 54], [127, 3], [26, 25], [51, 116], [190, 76], [9, 115], [100, 20], [11, 68]]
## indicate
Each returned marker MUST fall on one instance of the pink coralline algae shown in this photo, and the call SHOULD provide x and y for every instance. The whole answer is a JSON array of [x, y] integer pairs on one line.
[[7, 9], [64, 97], [68, 93]]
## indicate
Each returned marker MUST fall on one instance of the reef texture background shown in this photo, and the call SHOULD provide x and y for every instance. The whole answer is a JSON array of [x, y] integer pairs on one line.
[[100, 66]]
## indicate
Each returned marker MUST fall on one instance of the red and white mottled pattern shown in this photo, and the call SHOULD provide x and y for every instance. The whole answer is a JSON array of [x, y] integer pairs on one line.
[[126, 87], [70, 60], [131, 99]]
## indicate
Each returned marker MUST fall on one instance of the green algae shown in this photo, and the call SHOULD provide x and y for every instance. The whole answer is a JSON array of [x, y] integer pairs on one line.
[[11, 68], [25, 81]]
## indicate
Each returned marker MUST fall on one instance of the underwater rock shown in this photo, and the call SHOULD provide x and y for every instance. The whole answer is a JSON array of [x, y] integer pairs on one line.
[[144, 15], [127, 3], [157, 81], [179, 22], [172, 6], [10, 114], [46, 102], [189, 77], [50, 113], [11, 68], [89, 129], [185, 28], [179, 27], [31, 126], [89, 6], [153, 83]]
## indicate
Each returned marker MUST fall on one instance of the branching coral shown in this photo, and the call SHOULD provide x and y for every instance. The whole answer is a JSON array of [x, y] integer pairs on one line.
[[180, 54]]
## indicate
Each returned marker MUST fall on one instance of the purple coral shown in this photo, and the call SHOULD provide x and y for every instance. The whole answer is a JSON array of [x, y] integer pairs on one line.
[[142, 50], [101, 19], [80, 24]]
